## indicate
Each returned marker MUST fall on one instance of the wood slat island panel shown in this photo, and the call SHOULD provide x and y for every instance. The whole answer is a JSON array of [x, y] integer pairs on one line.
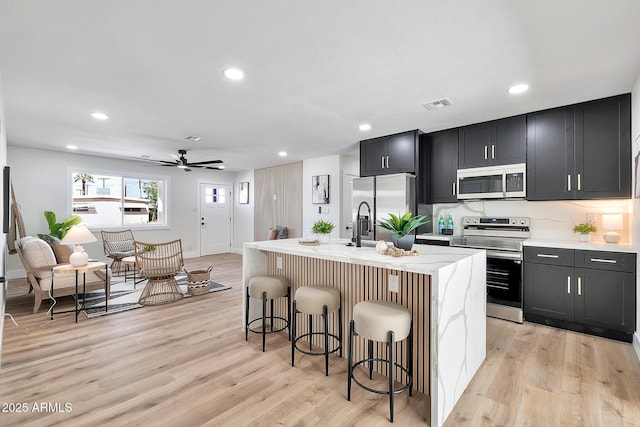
[[362, 283]]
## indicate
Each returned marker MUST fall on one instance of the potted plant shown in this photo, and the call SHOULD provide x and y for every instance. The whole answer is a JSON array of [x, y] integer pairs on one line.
[[584, 229], [322, 229], [400, 226], [57, 230]]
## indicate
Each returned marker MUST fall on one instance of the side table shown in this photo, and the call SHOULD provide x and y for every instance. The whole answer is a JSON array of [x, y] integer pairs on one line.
[[68, 268]]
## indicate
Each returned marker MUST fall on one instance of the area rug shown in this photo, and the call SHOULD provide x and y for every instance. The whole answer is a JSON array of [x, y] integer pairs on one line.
[[124, 296]]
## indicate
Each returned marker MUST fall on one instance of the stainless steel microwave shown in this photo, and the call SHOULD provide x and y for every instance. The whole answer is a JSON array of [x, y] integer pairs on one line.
[[493, 182]]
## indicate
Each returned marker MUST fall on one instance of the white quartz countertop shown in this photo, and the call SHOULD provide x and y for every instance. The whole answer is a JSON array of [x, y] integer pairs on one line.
[[430, 260], [576, 244]]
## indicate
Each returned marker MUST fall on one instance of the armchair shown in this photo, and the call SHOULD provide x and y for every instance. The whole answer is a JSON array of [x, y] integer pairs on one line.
[[159, 263], [117, 245], [38, 258]]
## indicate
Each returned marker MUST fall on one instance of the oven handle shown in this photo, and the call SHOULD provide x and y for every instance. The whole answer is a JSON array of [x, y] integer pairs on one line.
[[516, 256]]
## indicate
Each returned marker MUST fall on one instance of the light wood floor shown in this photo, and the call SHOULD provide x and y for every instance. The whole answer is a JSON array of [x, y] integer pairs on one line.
[[187, 364]]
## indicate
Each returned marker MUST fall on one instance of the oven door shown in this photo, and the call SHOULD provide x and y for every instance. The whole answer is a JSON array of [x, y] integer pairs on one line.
[[504, 278]]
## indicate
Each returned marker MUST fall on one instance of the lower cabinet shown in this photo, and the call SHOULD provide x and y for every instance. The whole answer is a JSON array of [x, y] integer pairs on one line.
[[586, 291]]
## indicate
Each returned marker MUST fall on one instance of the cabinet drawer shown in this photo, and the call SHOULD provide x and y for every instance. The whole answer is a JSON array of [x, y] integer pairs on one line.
[[549, 256], [604, 260]]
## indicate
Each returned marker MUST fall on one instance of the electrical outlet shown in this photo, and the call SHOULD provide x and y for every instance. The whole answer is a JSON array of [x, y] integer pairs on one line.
[[393, 283], [279, 263]]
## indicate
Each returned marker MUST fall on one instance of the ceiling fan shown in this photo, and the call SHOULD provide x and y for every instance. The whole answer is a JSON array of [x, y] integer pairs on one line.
[[182, 163]]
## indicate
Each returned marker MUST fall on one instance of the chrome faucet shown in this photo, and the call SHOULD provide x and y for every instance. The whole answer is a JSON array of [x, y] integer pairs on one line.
[[359, 224]]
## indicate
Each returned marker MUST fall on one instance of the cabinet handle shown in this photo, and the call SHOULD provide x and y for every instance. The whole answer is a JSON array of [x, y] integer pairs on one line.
[[493, 151], [387, 162], [568, 284], [568, 182], [547, 256], [579, 286], [606, 261], [453, 188], [579, 182], [382, 160], [486, 151]]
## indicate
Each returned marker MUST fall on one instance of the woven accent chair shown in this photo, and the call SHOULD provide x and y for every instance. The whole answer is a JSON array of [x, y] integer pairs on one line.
[[159, 263], [117, 245]]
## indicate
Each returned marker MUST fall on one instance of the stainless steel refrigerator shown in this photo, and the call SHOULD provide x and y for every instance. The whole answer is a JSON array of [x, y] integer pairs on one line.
[[384, 194]]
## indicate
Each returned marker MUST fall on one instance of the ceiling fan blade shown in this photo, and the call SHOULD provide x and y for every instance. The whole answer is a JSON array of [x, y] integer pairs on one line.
[[215, 168], [164, 162], [206, 163]]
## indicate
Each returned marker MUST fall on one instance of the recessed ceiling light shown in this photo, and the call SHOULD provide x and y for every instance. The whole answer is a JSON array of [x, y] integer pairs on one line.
[[99, 116], [234, 73], [282, 154], [520, 88], [72, 147], [364, 127]]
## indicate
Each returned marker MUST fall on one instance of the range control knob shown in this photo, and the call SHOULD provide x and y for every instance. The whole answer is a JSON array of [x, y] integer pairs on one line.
[[475, 220], [467, 220], [514, 221], [523, 222]]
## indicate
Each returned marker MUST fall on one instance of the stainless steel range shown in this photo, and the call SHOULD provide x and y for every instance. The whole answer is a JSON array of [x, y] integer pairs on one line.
[[502, 239]]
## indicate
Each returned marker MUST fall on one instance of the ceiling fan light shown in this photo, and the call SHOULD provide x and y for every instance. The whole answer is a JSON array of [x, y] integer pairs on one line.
[[182, 166]]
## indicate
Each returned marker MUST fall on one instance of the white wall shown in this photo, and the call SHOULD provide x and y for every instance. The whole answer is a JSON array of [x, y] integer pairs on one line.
[[40, 179], [635, 224], [329, 165], [3, 161], [243, 213]]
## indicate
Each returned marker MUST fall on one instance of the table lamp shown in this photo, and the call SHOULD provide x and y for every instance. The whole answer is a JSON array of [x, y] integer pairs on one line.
[[78, 235], [612, 222]]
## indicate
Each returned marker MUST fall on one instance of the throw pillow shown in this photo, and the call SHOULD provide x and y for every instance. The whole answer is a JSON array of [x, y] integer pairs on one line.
[[62, 252], [283, 232]]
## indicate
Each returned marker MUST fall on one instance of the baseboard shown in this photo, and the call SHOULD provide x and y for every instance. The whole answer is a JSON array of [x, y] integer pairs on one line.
[[236, 251], [636, 344]]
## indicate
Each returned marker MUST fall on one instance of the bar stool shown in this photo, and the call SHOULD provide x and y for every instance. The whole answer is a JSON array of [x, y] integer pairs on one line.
[[382, 321], [317, 300], [267, 288]]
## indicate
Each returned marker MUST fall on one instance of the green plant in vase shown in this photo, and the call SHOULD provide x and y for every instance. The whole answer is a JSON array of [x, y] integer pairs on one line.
[[583, 229], [322, 229], [58, 230], [401, 226]]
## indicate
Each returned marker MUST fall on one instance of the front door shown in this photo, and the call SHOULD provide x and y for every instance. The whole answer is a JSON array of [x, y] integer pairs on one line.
[[215, 218]]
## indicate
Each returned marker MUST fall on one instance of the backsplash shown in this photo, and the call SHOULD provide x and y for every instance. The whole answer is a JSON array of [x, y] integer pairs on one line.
[[553, 220]]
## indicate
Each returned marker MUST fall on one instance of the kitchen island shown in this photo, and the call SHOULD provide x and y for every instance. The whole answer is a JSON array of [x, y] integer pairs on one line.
[[443, 288]]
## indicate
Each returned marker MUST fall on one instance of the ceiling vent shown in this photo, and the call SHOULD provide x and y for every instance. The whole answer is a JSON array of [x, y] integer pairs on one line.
[[438, 104]]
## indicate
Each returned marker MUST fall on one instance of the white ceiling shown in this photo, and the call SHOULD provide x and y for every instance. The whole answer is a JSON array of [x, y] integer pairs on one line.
[[314, 70]]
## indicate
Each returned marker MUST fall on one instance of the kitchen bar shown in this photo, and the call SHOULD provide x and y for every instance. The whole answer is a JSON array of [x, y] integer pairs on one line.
[[443, 288]]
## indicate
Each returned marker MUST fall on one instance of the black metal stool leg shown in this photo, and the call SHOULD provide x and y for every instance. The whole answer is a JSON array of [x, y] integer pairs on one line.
[[264, 320], [326, 340], [410, 360], [340, 328], [271, 315], [370, 348], [292, 331], [310, 331], [289, 311], [350, 360], [392, 371], [246, 318]]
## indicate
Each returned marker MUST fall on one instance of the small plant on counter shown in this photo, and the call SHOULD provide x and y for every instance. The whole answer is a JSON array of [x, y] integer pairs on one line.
[[584, 228], [401, 225], [322, 227]]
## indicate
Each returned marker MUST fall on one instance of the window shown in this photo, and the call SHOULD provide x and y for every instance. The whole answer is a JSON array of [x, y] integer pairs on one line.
[[215, 195], [114, 201]]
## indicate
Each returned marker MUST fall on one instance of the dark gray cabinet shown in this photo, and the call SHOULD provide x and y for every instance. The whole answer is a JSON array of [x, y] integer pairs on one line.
[[582, 151], [499, 142], [443, 166], [586, 291], [389, 154]]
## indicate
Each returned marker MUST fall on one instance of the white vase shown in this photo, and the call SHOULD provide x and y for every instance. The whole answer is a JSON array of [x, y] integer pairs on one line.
[[323, 238], [583, 237]]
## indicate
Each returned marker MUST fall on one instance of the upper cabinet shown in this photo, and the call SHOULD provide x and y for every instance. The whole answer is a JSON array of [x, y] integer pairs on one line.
[[499, 142], [443, 147], [581, 151], [389, 154]]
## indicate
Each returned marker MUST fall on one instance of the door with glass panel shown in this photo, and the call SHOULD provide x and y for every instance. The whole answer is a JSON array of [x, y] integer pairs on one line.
[[215, 218]]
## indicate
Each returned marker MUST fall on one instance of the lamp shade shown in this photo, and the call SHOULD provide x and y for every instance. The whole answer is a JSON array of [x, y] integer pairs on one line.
[[612, 221], [78, 235]]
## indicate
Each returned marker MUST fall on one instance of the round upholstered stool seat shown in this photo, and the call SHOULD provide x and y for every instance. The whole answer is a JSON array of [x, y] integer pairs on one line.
[[267, 288], [312, 299], [374, 319], [387, 322], [317, 300], [274, 286]]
